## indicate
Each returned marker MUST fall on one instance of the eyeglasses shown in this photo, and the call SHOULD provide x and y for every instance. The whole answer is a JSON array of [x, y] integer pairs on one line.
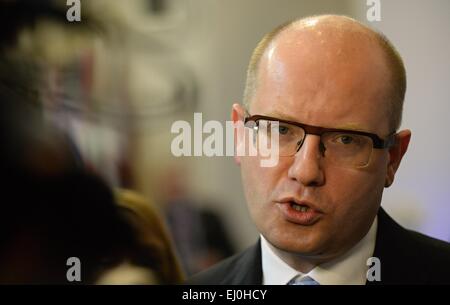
[[348, 148]]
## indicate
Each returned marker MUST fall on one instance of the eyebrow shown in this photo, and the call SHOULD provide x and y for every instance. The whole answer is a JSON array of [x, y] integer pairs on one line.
[[348, 126]]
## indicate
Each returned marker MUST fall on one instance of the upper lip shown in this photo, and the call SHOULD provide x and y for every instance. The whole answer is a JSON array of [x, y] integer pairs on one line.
[[300, 202]]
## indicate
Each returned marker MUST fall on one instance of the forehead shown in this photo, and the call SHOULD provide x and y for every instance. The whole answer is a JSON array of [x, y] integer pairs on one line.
[[325, 77]]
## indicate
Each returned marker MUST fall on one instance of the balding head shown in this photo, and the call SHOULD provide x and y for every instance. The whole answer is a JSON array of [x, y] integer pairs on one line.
[[337, 45]]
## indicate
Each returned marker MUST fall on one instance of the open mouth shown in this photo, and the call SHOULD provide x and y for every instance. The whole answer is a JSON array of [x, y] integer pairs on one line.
[[299, 211], [299, 207]]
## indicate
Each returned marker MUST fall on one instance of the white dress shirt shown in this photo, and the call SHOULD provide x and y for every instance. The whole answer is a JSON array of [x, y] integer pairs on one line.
[[350, 268]]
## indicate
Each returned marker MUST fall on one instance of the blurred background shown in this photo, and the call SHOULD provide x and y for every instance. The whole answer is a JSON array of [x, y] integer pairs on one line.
[[115, 82]]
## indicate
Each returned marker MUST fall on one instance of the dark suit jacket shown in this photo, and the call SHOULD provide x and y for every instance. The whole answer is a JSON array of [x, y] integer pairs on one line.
[[406, 257]]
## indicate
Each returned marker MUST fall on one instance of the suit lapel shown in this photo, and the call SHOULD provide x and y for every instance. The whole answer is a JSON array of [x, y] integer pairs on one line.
[[396, 252], [248, 269]]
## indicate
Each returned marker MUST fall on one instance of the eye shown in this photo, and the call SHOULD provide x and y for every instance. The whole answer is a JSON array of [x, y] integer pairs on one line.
[[345, 139], [283, 129]]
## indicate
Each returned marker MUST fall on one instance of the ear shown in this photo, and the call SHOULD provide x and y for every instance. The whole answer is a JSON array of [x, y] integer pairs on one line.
[[237, 116], [396, 154]]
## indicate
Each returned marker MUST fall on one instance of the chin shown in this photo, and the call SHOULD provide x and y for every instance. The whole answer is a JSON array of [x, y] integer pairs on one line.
[[308, 244]]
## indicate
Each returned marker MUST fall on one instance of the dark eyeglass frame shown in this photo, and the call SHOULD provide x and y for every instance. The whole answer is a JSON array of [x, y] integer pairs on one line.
[[377, 142]]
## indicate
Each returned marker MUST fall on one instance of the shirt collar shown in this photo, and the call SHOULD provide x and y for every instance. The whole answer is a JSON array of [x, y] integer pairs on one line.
[[349, 268], [275, 270]]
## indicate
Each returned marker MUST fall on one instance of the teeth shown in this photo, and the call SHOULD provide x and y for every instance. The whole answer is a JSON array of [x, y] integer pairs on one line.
[[299, 208]]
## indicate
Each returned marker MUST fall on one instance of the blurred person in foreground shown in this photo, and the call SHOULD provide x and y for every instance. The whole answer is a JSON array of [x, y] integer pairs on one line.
[[336, 89], [52, 208]]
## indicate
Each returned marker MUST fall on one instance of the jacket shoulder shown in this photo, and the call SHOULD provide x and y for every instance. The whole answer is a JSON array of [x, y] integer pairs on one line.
[[432, 249], [242, 268], [409, 257]]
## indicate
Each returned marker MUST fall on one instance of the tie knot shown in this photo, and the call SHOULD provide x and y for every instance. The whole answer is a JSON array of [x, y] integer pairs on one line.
[[302, 280]]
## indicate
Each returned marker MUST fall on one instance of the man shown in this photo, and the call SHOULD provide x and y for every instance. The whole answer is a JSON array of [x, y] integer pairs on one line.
[[336, 88]]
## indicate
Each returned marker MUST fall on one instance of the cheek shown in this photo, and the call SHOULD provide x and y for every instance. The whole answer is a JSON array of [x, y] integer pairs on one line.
[[254, 177], [259, 182], [356, 192]]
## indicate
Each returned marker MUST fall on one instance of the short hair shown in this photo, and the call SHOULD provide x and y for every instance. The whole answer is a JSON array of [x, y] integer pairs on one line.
[[396, 86]]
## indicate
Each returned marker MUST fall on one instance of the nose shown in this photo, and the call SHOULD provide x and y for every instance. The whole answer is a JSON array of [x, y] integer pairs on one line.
[[306, 167]]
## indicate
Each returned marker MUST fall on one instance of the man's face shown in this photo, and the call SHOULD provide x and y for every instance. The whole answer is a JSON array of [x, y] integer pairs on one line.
[[316, 80]]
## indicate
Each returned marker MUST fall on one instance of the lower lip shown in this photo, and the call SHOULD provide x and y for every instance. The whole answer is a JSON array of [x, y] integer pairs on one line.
[[307, 218]]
